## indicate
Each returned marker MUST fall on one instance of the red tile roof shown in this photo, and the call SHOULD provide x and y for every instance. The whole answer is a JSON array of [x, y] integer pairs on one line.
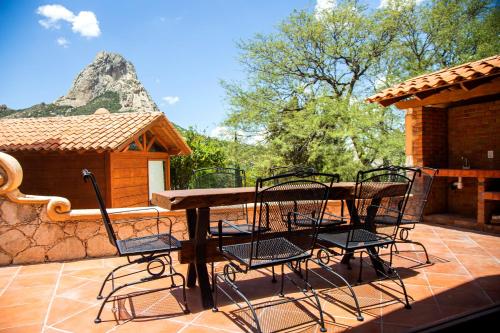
[[96, 132], [462, 73]]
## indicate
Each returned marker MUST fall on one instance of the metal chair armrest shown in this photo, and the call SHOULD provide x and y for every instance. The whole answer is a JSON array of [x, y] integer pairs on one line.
[[231, 225], [335, 215]]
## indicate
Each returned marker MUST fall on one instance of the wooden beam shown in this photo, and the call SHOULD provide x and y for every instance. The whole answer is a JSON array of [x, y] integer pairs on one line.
[[450, 96], [150, 143], [138, 144]]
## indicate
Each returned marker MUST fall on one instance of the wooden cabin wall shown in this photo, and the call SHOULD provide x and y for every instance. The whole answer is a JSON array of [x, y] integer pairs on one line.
[[128, 172], [60, 174]]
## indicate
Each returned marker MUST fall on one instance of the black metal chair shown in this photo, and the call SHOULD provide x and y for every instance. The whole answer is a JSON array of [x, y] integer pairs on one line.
[[372, 187], [219, 177], [414, 211], [152, 250], [329, 219], [278, 236]]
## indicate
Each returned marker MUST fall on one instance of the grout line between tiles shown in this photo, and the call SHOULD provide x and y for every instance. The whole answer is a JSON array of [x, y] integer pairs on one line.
[[469, 273], [11, 280], [54, 292]]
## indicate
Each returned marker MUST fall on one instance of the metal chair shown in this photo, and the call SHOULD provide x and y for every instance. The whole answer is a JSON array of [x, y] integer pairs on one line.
[[152, 250], [329, 219], [279, 208], [414, 211], [218, 177], [372, 187]]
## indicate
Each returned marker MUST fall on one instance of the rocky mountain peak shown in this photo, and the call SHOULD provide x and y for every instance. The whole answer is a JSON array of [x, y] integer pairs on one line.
[[109, 72]]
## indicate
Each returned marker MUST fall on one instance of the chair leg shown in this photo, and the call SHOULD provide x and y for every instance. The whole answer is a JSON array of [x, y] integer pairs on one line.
[[171, 269], [274, 275], [318, 303], [390, 253], [212, 270], [360, 267], [427, 261], [394, 275], [111, 274], [359, 317], [214, 289], [281, 294], [250, 306]]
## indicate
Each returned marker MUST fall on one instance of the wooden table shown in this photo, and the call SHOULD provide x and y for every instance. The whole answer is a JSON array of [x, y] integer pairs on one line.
[[197, 203]]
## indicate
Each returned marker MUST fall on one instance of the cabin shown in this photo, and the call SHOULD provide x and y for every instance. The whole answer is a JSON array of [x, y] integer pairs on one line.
[[129, 153], [452, 124]]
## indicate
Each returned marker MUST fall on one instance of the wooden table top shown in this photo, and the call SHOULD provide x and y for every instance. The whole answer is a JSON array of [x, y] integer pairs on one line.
[[210, 197], [198, 198]]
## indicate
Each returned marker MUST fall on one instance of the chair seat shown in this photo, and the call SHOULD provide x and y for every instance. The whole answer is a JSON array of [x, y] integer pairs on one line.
[[392, 220], [271, 252], [148, 244], [360, 238]]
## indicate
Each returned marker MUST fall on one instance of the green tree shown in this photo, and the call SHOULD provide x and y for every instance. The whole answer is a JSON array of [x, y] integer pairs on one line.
[[306, 82], [207, 152], [301, 86]]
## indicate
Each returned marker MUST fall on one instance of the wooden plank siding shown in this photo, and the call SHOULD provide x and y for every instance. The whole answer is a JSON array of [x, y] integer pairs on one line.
[[129, 181], [60, 174]]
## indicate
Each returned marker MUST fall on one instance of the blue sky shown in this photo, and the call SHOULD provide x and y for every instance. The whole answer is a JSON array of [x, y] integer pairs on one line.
[[180, 49]]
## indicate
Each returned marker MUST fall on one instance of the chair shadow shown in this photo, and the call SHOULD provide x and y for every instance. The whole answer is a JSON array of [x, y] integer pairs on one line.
[[283, 314], [147, 305]]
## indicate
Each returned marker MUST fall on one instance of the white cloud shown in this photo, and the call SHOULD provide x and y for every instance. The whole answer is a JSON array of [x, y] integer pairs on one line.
[[61, 41], [395, 5], [324, 6], [220, 132], [53, 14], [171, 100], [85, 23]]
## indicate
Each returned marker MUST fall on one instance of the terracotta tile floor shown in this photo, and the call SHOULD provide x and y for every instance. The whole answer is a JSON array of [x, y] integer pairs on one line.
[[60, 297]]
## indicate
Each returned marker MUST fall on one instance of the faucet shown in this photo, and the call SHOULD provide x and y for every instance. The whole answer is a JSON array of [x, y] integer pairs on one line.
[[465, 162]]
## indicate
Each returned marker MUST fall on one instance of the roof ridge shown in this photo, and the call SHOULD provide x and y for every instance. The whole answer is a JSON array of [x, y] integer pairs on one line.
[[111, 114]]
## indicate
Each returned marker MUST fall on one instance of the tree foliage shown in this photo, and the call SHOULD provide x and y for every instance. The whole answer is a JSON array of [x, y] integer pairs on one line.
[[306, 82], [207, 152]]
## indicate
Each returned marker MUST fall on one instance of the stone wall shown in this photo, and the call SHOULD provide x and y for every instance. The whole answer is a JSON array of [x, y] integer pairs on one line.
[[35, 229], [27, 235]]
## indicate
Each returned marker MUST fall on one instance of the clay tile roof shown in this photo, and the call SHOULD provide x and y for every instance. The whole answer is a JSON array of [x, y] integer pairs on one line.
[[96, 132], [462, 73]]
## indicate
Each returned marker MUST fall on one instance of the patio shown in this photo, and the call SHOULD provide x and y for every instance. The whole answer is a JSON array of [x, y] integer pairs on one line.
[[60, 297]]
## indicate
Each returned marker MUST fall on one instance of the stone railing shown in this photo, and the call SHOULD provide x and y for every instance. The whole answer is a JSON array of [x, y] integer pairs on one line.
[[36, 229]]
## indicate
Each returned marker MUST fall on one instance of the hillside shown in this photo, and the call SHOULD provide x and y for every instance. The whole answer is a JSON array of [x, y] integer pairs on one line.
[[110, 82]]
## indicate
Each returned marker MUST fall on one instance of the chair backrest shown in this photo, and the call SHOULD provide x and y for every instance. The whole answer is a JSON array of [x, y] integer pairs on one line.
[[87, 175], [381, 192], [280, 202], [218, 177], [292, 170], [419, 195], [215, 177]]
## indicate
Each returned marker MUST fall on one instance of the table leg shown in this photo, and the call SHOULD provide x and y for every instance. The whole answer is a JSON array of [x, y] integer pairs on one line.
[[371, 213], [370, 225], [191, 218], [353, 213], [200, 259]]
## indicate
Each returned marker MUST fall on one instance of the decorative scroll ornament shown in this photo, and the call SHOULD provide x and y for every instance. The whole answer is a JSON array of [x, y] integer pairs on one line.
[[11, 177]]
